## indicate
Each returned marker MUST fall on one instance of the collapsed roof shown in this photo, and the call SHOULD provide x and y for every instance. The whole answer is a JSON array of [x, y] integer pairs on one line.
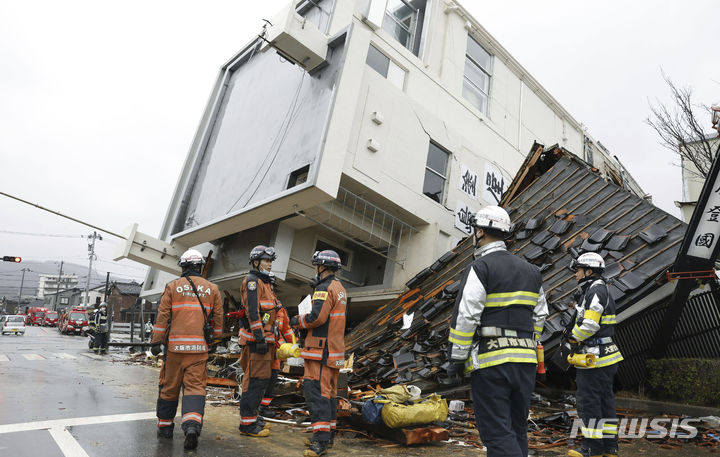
[[561, 207]]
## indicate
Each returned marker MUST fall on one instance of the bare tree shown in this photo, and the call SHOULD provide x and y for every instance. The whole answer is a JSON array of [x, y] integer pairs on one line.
[[679, 129]]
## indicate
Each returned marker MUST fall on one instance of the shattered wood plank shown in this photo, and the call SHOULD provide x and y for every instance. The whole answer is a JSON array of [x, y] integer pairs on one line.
[[221, 382]]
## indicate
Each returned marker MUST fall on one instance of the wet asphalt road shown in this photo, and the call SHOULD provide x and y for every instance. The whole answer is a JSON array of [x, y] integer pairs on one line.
[[58, 399], [54, 392]]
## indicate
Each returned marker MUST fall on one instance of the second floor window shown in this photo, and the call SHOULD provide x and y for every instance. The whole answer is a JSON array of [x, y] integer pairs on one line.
[[478, 69], [404, 20], [435, 173]]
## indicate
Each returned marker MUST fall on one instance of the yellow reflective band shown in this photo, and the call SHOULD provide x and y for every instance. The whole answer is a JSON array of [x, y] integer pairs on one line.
[[320, 295], [538, 329], [459, 333], [512, 294], [609, 319], [460, 342], [608, 360], [592, 315], [492, 358], [582, 334], [593, 433], [510, 302]]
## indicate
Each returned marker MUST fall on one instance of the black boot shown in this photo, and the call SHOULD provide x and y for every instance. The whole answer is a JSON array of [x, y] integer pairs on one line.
[[255, 429], [265, 411], [191, 438], [165, 432], [310, 441], [317, 449]]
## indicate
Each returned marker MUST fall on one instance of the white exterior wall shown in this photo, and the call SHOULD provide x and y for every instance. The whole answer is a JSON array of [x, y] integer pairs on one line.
[[431, 106]]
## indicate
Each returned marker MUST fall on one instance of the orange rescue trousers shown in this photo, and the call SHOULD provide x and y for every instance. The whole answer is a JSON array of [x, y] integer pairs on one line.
[[189, 373], [258, 371], [320, 386]]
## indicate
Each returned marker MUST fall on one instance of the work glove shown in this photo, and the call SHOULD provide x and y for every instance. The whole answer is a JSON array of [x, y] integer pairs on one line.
[[295, 321], [456, 372], [574, 345], [261, 347], [155, 349]]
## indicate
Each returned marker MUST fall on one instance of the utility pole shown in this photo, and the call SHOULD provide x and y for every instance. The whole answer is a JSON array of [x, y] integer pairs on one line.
[[57, 296], [91, 254], [22, 282]]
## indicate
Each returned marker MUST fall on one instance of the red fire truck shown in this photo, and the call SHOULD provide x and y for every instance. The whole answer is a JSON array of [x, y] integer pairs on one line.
[[35, 315], [73, 321], [50, 319]]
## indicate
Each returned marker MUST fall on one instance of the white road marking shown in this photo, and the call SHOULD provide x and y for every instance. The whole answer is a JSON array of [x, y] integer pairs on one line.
[[67, 443], [92, 356], [4, 358], [33, 356], [62, 355], [70, 422]]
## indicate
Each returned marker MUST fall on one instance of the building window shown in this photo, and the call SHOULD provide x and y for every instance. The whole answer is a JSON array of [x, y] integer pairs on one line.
[[435, 173], [298, 176], [386, 67], [345, 256], [478, 69], [403, 20]]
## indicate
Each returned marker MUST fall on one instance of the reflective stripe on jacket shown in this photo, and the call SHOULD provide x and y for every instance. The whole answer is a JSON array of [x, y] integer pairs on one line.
[[325, 340], [596, 319], [502, 291], [180, 310]]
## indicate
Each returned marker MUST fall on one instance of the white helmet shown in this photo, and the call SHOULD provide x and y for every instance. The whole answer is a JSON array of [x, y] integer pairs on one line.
[[191, 257], [590, 260], [493, 217]]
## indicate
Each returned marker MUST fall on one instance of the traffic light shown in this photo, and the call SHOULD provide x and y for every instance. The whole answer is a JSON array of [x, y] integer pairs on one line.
[[11, 258]]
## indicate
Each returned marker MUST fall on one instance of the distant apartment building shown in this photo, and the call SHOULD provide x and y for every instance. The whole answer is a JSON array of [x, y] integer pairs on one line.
[[371, 127], [49, 284]]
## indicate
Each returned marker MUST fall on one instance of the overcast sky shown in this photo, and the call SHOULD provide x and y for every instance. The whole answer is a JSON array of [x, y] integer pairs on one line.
[[99, 101]]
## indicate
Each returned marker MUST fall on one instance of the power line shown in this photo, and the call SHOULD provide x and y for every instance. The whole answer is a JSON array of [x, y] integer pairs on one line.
[[53, 235], [57, 213]]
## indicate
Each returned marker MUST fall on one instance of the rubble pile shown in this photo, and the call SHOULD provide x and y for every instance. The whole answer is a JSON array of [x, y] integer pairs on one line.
[[561, 206]]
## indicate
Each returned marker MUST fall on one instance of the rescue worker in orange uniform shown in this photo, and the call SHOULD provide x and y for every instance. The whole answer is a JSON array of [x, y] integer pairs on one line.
[[284, 335], [257, 337], [323, 350], [187, 304]]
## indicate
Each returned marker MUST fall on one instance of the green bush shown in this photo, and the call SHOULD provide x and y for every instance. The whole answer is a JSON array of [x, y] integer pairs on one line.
[[693, 381]]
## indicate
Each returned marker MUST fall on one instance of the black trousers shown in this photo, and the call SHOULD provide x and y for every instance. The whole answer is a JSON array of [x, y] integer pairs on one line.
[[501, 398], [101, 341], [270, 389], [596, 401]]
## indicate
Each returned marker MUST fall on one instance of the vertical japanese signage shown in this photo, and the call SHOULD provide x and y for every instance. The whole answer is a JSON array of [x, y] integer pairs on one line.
[[469, 182], [701, 245], [463, 214], [494, 185], [705, 236]]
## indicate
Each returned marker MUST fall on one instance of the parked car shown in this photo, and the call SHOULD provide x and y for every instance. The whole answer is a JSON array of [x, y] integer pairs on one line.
[[50, 319], [13, 324], [73, 322]]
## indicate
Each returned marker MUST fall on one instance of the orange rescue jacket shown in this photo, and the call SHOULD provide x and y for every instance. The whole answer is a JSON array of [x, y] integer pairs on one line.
[[180, 310], [260, 304], [325, 340]]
